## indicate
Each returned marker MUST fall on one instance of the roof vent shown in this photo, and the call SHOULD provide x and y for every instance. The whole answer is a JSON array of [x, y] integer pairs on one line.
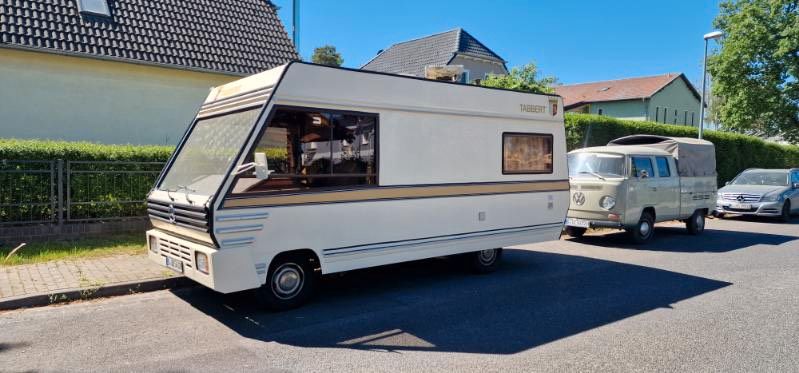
[[94, 7], [603, 89], [380, 51]]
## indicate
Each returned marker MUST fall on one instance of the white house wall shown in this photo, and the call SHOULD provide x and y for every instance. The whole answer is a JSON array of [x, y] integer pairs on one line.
[[50, 96]]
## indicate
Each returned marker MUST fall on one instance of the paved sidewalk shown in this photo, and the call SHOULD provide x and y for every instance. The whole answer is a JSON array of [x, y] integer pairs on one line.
[[85, 276]]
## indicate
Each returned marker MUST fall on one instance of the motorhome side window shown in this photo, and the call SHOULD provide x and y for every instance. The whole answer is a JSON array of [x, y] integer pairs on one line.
[[308, 149], [525, 153]]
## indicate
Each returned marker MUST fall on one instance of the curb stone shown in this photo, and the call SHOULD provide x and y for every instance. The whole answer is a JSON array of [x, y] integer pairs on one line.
[[69, 295]]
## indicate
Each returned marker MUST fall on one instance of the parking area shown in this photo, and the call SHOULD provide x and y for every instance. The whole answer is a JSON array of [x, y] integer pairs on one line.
[[725, 300]]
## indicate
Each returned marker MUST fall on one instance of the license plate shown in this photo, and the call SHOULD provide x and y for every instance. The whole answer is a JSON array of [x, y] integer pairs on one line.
[[741, 206], [174, 264], [580, 223]]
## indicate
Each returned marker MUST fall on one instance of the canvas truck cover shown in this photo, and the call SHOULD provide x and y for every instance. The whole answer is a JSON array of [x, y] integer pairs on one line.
[[695, 158]]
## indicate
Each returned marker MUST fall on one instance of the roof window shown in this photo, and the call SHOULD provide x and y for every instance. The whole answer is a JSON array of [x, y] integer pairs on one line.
[[94, 7]]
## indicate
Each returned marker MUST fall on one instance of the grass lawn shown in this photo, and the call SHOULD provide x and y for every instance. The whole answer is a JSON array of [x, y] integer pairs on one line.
[[38, 252]]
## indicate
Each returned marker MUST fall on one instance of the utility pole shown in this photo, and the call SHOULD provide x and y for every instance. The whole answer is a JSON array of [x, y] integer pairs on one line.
[[295, 27], [707, 37]]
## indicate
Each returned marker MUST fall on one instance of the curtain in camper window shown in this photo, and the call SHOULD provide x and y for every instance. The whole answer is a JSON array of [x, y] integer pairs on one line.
[[308, 149], [525, 153]]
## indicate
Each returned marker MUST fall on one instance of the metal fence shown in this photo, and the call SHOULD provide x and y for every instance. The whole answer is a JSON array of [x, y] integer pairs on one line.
[[56, 191]]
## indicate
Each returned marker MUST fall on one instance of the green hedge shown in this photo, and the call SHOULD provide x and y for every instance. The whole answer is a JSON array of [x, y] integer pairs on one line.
[[97, 190], [734, 152], [13, 149]]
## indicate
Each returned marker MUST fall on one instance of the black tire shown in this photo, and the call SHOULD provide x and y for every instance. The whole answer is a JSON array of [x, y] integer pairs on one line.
[[696, 223], [290, 283], [485, 261], [785, 217], [575, 232], [644, 230]]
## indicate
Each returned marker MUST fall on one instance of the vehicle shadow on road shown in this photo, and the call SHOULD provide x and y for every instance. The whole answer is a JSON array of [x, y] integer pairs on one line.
[[677, 239], [432, 305]]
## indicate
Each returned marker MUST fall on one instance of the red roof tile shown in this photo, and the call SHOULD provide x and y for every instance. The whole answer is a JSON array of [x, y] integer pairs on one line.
[[616, 90]]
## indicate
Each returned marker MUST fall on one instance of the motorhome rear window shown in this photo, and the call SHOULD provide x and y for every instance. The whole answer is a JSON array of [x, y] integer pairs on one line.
[[526, 153], [311, 149]]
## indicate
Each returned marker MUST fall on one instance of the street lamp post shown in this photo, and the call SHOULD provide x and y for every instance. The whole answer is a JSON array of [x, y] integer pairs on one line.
[[708, 37]]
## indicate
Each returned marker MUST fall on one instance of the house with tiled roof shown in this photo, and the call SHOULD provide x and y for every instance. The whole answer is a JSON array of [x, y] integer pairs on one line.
[[668, 98], [455, 48], [126, 71]]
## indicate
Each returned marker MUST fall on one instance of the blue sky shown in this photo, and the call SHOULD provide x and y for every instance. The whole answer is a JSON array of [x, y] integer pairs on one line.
[[577, 40]]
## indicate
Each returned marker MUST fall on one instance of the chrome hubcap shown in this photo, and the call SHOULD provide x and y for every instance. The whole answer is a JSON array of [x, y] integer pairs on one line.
[[287, 281], [487, 257], [645, 228]]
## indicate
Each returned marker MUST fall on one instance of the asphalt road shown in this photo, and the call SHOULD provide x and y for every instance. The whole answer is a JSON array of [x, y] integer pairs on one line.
[[725, 301]]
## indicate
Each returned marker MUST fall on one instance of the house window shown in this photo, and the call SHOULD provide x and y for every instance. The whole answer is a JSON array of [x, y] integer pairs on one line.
[[676, 113], [308, 149], [663, 167], [526, 153], [96, 7], [685, 119], [665, 114], [692, 118], [657, 113], [599, 112], [465, 77]]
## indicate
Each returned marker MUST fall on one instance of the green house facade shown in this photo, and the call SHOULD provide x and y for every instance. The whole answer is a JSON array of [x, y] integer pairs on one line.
[[669, 99]]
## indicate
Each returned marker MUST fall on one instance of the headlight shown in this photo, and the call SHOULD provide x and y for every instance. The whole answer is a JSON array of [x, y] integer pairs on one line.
[[201, 260], [154, 244], [607, 202], [771, 197]]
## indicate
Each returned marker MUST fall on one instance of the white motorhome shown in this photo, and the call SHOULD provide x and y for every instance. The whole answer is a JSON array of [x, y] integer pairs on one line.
[[305, 170]]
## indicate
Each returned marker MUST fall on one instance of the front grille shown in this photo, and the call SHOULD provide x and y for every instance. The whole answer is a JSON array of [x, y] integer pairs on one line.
[[193, 217], [175, 250], [741, 197]]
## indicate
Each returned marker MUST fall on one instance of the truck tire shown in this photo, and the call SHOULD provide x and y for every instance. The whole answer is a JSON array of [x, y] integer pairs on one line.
[[575, 232], [644, 230], [290, 283], [696, 223], [785, 217], [485, 261]]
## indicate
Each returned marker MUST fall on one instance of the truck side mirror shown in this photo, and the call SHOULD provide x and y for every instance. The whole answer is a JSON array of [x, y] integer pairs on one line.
[[643, 174], [262, 170], [796, 185]]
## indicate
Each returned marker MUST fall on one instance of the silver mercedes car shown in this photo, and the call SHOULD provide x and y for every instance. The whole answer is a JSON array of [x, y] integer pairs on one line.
[[761, 192]]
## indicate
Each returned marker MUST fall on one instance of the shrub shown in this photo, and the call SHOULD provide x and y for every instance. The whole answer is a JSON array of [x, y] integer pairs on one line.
[[734, 152]]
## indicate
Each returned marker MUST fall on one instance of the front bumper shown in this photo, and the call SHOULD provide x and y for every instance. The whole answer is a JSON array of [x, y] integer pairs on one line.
[[229, 270], [579, 222], [757, 208]]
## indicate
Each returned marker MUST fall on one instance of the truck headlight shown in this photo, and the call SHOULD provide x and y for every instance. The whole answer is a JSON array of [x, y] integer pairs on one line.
[[201, 262], [771, 197], [607, 202], [154, 244]]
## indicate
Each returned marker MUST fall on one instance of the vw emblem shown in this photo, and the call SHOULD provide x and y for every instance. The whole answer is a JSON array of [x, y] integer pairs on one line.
[[172, 214], [740, 198], [578, 198]]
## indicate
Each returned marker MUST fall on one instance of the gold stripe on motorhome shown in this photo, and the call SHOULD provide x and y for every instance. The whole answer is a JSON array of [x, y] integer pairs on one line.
[[403, 192]]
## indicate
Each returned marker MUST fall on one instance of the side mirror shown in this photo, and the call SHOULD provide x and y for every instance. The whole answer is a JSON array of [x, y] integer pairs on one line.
[[262, 170], [796, 185], [643, 174], [260, 166]]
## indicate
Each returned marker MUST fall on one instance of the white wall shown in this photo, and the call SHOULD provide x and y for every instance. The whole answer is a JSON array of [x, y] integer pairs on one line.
[[50, 96]]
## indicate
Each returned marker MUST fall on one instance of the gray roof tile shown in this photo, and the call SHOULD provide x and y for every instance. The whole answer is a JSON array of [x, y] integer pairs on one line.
[[240, 37], [411, 57]]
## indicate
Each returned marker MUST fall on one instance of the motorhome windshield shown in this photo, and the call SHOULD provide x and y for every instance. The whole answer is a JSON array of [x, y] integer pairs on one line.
[[208, 153], [601, 165], [775, 178]]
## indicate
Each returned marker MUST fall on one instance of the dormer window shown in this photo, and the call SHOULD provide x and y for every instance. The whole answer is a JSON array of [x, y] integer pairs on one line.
[[94, 7]]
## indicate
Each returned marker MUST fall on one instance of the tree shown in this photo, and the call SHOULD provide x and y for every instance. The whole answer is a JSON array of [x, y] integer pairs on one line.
[[327, 55], [756, 72], [524, 78]]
